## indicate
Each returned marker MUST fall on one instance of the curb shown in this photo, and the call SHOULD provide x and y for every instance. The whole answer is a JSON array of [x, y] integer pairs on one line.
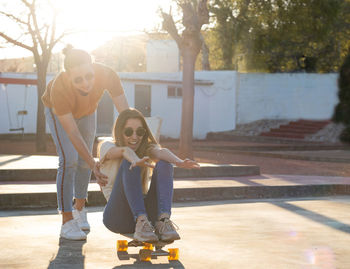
[[212, 136], [205, 171], [278, 155], [96, 198]]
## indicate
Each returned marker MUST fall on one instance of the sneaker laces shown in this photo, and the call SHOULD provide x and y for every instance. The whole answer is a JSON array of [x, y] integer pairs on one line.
[[169, 225], [83, 215], [147, 226], [74, 227]]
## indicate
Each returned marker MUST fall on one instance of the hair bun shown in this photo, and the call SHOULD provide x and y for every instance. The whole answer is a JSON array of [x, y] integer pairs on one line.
[[67, 49]]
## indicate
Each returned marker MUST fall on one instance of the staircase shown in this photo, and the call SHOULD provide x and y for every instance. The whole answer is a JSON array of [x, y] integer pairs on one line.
[[297, 129]]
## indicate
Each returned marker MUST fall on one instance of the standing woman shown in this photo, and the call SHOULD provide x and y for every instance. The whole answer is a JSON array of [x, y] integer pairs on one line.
[[71, 100]]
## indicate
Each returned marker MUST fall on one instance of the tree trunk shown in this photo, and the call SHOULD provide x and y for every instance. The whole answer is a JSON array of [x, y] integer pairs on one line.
[[40, 118], [205, 57], [189, 59]]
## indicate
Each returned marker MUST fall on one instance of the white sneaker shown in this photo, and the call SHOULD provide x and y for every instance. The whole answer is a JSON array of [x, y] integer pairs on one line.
[[70, 230], [144, 231], [81, 218]]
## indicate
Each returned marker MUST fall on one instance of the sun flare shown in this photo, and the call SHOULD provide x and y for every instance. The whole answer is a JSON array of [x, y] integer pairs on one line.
[[95, 22]]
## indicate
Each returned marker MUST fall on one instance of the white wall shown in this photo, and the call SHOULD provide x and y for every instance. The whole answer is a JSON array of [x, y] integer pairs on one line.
[[213, 105], [14, 98], [225, 99], [162, 56], [285, 96]]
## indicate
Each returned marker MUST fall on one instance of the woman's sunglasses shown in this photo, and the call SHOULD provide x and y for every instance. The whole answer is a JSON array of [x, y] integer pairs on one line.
[[130, 131], [88, 77]]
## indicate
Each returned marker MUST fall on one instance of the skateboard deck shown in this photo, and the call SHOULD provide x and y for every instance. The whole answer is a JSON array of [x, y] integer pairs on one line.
[[148, 250]]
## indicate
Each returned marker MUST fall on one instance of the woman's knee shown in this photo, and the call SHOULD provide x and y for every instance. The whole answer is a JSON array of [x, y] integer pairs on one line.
[[125, 167], [68, 161], [108, 221], [113, 224]]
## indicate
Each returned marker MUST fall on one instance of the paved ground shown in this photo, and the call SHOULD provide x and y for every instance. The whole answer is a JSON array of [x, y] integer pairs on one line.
[[309, 233], [266, 233]]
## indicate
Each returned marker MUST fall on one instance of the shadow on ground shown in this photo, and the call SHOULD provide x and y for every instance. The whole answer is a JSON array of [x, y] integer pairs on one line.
[[69, 255], [140, 264]]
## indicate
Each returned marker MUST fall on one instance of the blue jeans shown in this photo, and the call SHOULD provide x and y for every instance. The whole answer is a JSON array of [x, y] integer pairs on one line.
[[127, 201], [73, 173]]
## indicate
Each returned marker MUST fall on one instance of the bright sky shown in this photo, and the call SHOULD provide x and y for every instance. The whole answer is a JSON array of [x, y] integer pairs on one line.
[[98, 21]]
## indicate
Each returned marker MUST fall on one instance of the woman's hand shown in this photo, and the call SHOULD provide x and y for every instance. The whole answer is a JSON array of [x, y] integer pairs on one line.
[[188, 164], [144, 162], [101, 178]]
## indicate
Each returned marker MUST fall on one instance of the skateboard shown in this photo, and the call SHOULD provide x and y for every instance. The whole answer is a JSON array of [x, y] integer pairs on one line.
[[148, 250]]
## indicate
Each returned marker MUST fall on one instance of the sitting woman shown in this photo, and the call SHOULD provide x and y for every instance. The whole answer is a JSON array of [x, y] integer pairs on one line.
[[133, 206]]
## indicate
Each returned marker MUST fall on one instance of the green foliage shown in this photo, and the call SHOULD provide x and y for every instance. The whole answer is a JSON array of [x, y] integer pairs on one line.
[[342, 109], [280, 35], [345, 135]]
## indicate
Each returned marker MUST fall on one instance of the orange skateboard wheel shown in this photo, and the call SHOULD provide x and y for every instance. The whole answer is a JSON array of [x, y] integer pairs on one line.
[[148, 246], [173, 254], [122, 245]]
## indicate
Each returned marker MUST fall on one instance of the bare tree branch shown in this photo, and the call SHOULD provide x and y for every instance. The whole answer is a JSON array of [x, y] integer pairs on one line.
[[170, 27], [40, 34], [53, 33], [205, 54], [203, 12], [13, 17], [47, 28], [189, 18], [27, 3], [32, 34], [36, 27], [15, 42]]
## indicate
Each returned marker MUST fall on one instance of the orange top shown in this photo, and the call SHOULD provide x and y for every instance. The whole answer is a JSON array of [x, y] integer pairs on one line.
[[64, 98]]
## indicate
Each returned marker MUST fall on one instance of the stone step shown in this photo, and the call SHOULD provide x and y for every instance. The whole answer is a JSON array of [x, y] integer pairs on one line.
[[313, 122], [206, 170], [283, 135], [294, 130], [304, 126], [39, 195], [297, 129]]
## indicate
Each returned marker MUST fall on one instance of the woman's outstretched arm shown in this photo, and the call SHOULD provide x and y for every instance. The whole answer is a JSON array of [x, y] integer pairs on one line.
[[166, 155], [130, 155]]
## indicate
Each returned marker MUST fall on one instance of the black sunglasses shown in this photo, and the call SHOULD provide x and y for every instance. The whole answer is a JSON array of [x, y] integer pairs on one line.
[[89, 76], [130, 131]]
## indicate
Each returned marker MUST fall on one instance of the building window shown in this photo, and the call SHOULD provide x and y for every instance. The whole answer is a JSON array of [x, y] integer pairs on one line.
[[174, 92]]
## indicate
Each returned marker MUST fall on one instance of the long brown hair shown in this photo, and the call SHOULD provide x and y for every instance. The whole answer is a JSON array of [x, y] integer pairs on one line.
[[147, 140]]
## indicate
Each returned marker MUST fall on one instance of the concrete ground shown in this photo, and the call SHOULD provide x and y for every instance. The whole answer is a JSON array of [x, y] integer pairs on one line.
[[264, 233], [273, 233]]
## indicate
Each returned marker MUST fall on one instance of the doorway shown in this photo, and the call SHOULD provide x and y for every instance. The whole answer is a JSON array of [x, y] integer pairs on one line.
[[143, 99]]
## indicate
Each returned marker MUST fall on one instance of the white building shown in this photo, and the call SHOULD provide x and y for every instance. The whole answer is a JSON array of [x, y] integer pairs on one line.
[[162, 56], [222, 100]]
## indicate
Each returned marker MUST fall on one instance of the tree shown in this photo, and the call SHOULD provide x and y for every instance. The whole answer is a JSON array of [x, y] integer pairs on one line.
[[39, 37], [342, 109], [194, 15], [231, 20], [281, 36], [285, 32]]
